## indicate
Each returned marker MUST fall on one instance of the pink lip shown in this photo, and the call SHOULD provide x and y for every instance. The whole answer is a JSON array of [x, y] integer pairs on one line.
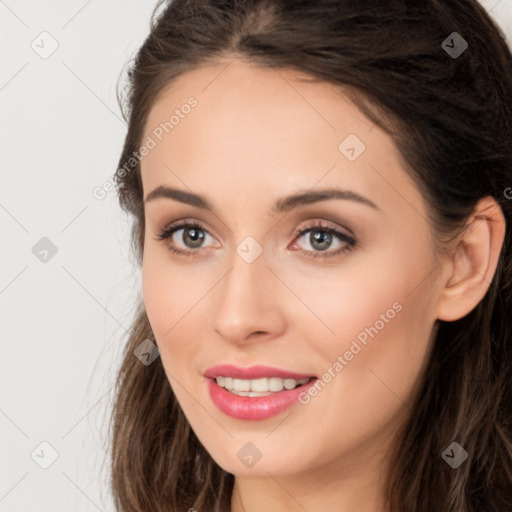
[[254, 408], [252, 372]]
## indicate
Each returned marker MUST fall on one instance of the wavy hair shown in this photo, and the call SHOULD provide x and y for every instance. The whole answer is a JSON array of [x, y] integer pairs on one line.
[[451, 120]]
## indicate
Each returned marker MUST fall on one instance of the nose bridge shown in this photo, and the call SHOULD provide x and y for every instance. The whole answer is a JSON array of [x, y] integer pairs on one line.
[[246, 302]]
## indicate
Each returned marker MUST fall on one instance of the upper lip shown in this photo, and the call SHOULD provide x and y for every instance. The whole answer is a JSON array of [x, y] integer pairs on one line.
[[252, 372]]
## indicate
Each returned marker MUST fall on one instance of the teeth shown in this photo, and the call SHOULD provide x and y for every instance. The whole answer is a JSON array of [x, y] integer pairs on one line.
[[276, 384], [242, 385], [290, 383], [258, 387]]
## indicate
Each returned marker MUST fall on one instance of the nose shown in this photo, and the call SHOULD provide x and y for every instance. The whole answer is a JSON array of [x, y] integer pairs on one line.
[[247, 303]]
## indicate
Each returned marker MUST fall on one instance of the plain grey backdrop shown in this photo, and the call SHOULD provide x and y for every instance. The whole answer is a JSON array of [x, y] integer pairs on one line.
[[67, 284]]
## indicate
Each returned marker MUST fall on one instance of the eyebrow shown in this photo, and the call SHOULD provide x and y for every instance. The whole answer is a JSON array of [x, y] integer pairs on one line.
[[283, 204]]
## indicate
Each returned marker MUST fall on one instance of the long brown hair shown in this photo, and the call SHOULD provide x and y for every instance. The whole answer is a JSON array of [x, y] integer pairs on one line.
[[451, 120]]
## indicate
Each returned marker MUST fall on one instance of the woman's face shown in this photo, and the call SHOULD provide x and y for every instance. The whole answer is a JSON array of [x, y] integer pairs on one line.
[[354, 307]]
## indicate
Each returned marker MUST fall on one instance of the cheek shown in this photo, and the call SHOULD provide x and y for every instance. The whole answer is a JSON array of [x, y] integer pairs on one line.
[[165, 299], [382, 333], [166, 290], [172, 298]]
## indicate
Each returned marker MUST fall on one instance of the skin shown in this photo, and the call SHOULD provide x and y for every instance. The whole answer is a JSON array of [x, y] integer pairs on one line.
[[255, 136]]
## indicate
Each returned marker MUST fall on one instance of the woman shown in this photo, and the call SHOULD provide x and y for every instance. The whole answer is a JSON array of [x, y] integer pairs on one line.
[[320, 205]]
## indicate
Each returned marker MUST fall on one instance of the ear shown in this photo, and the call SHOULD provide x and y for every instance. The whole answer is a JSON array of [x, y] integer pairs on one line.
[[474, 260]]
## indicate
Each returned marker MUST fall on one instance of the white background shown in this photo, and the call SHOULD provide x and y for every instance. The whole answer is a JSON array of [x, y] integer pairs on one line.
[[63, 320]]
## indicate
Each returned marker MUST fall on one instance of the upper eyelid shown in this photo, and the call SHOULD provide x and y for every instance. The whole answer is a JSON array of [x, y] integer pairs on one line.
[[326, 225]]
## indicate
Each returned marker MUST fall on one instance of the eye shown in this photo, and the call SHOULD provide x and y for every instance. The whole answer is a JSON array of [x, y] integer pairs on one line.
[[321, 238], [192, 237]]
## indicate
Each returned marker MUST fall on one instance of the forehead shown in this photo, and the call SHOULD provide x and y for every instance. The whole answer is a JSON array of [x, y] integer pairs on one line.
[[259, 130], [238, 101]]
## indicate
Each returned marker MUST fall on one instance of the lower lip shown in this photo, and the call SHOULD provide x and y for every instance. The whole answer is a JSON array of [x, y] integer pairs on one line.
[[255, 408]]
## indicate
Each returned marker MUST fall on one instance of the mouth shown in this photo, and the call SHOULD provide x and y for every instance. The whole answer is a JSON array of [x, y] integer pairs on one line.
[[255, 393]]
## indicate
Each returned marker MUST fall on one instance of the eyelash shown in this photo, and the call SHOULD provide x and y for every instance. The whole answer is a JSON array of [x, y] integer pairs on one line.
[[168, 231]]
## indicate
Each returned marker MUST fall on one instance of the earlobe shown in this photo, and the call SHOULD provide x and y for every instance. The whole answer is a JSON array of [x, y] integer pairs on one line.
[[474, 261]]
